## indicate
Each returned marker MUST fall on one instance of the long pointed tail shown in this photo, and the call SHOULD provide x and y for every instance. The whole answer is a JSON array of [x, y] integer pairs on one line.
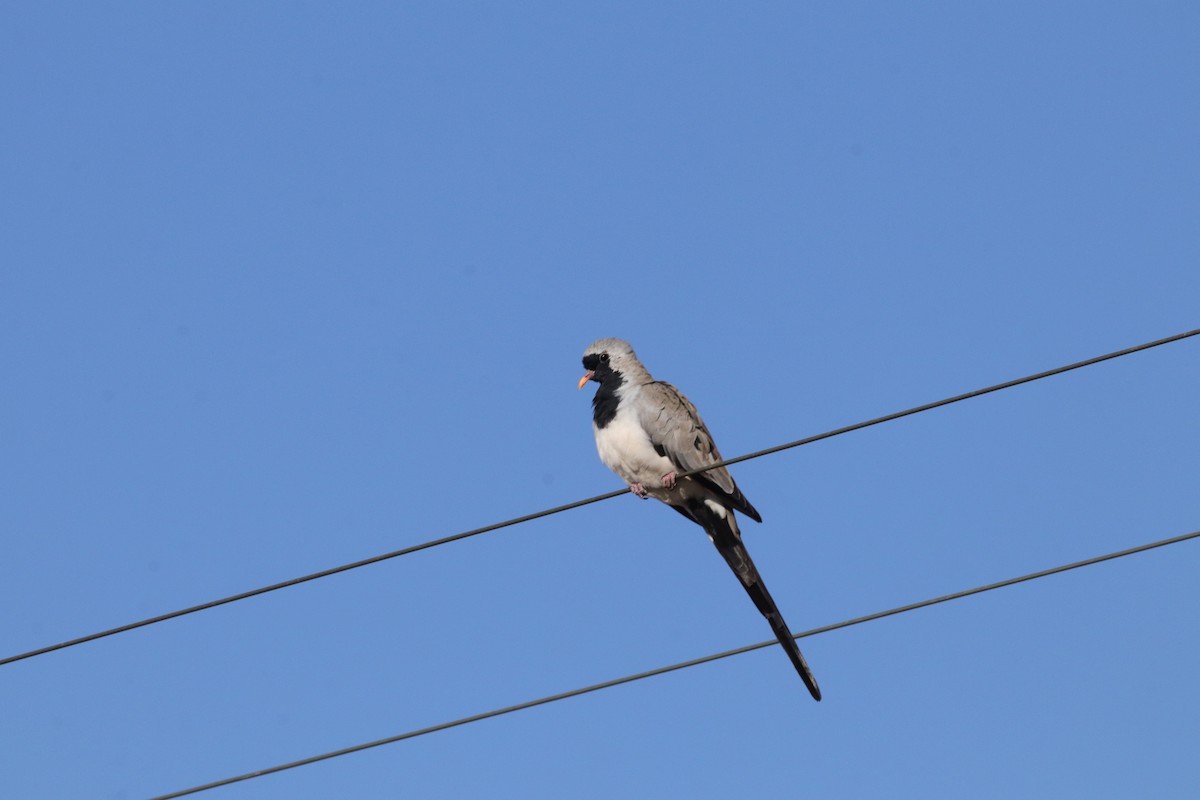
[[725, 536]]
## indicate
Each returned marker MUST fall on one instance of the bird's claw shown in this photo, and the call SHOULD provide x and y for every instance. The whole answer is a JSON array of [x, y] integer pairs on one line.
[[638, 489], [669, 480]]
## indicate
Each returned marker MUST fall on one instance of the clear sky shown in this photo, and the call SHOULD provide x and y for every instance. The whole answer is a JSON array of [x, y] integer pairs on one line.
[[286, 286]]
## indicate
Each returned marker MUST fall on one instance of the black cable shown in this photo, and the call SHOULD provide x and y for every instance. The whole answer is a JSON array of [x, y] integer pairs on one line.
[[91, 637], [938, 404], [529, 517], [682, 665]]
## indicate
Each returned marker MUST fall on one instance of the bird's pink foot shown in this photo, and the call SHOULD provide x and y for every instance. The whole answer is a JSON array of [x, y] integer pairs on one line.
[[669, 480], [638, 489]]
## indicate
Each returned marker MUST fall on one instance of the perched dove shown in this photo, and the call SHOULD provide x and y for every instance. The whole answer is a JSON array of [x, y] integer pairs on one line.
[[647, 432]]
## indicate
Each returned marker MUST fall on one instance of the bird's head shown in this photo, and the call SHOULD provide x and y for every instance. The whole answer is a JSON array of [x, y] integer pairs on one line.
[[608, 358]]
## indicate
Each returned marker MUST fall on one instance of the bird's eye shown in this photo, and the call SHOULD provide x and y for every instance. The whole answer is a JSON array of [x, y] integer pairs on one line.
[[604, 356]]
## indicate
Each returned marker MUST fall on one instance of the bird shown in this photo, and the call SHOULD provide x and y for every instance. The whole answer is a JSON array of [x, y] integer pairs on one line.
[[649, 434]]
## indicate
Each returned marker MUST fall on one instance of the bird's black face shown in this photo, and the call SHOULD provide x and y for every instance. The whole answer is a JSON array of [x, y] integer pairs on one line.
[[594, 361], [597, 368]]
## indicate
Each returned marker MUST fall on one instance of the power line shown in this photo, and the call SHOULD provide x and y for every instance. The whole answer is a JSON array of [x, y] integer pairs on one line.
[[949, 400], [557, 509], [673, 667]]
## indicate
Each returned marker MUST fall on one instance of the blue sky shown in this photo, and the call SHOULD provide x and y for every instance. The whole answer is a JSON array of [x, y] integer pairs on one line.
[[290, 285]]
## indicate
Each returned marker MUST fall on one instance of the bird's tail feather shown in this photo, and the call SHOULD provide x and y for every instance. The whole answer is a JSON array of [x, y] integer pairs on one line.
[[725, 535]]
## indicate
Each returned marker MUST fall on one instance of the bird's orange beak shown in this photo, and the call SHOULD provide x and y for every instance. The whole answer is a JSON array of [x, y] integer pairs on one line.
[[587, 376]]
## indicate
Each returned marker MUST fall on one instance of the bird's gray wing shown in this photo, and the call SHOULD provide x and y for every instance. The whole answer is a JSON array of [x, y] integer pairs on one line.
[[676, 430]]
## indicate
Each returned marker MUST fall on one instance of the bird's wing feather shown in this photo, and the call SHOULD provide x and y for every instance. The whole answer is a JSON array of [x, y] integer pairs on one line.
[[674, 425], [676, 430]]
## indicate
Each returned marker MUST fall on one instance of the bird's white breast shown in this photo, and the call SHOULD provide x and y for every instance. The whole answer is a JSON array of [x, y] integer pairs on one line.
[[625, 448]]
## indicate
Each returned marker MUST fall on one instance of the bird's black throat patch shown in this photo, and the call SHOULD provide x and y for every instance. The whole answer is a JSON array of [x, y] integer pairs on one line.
[[604, 404]]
